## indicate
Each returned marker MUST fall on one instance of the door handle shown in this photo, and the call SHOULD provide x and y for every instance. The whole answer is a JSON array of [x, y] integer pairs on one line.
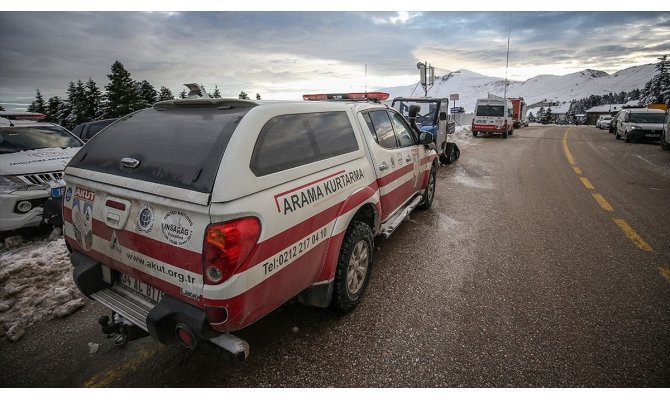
[[383, 166]]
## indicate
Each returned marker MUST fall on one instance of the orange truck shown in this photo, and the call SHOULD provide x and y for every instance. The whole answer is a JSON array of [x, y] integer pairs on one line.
[[518, 111]]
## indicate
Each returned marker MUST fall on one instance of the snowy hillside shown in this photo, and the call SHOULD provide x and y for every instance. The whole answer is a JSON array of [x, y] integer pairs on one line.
[[471, 86]]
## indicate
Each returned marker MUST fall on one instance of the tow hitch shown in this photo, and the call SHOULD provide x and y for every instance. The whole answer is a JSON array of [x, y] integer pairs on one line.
[[120, 329]]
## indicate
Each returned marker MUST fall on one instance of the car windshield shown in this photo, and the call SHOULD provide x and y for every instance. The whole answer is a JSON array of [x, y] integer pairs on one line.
[[427, 115], [21, 138], [490, 111], [652, 118]]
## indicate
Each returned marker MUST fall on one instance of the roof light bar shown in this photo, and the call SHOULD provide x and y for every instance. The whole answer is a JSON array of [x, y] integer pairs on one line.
[[376, 96]]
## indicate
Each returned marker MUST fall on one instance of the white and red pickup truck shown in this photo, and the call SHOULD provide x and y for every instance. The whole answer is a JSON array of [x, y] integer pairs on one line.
[[197, 217]]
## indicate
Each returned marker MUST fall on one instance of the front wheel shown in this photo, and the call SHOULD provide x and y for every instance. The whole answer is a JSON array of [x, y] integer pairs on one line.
[[429, 192], [353, 266], [665, 145], [626, 137]]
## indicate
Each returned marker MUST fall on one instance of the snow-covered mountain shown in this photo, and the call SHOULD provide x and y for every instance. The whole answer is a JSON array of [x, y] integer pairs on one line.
[[471, 86]]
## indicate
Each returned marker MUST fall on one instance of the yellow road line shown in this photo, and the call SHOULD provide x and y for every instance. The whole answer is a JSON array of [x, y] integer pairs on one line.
[[104, 379], [603, 203], [578, 170], [571, 159], [632, 235], [586, 183], [665, 272]]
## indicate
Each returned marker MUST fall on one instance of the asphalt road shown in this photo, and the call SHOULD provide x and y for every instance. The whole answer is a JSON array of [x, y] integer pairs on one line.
[[544, 262]]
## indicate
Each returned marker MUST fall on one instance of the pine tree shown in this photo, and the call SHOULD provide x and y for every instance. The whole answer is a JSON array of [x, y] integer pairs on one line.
[[243, 95], [77, 104], [93, 101], [548, 117], [54, 105], [540, 115], [148, 94], [183, 94], [659, 83], [217, 93], [165, 94], [258, 96], [122, 94], [38, 105], [2, 108]]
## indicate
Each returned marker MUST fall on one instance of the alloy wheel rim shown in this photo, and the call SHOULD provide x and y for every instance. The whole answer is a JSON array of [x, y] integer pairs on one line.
[[358, 267]]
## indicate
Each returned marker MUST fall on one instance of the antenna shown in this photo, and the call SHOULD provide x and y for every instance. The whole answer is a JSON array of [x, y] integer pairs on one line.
[[365, 79], [509, 33]]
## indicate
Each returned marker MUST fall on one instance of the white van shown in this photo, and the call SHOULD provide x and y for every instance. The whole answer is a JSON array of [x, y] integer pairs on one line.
[[640, 124], [493, 115]]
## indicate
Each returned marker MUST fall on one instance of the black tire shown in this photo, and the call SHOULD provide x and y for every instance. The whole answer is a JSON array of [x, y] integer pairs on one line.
[[474, 133], [505, 135], [626, 137], [447, 156], [665, 145], [511, 132], [616, 135], [457, 152], [429, 192], [354, 267]]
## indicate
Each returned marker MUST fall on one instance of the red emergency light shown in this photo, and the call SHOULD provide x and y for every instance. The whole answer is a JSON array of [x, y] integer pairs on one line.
[[376, 96]]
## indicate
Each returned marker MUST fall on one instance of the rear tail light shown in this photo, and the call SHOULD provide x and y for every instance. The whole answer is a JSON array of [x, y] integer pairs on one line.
[[227, 247]]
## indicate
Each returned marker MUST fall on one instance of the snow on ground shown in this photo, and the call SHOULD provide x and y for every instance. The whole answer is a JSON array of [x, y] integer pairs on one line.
[[35, 284]]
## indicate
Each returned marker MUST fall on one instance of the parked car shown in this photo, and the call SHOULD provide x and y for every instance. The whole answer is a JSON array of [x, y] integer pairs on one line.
[[33, 156], [665, 136], [613, 122], [640, 124], [603, 121], [87, 130], [195, 218]]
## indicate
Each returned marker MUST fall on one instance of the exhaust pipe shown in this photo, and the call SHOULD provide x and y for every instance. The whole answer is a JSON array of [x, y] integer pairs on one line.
[[237, 347]]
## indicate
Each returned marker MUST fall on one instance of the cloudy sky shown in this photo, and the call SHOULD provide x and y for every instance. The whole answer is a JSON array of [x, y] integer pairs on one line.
[[284, 54]]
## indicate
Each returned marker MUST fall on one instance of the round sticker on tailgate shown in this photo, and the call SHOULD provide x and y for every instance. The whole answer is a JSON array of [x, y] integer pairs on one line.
[[177, 228]]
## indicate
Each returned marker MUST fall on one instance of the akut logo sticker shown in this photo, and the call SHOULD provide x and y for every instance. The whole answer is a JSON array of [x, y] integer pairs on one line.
[[82, 217]]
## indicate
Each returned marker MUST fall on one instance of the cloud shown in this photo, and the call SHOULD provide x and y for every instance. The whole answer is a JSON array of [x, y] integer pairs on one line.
[[275, 52]]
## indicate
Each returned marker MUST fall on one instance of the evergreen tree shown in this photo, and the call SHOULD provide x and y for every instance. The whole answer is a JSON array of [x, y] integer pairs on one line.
[[243, 95], [122, 94], [531, 117], [148, 94], [216, 94], [540, 115], [652, 92], [258, 96], [77, 105], [165, 94], [183, 94], [548, 117], [38, 105], [54, 105], [93, 101], [2, 108]]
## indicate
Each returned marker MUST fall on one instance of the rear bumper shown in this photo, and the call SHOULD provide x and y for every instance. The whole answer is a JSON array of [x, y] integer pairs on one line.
[[160, 320], [488, 128]]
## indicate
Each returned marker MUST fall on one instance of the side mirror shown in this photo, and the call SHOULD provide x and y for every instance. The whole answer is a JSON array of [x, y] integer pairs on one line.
[[443, 116], [426, 138]]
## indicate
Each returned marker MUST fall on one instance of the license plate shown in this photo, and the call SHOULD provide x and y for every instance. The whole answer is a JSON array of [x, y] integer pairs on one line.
[[136, 286], [57, 192], [652, 135]]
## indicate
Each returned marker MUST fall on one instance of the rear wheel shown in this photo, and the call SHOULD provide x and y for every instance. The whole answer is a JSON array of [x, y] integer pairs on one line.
[[474, 133], [353, 266], [447, 156], [505, 135]]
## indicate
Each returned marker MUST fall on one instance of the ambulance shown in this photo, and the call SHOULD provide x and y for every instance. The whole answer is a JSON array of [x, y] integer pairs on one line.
[[196, 217], [493, 115]]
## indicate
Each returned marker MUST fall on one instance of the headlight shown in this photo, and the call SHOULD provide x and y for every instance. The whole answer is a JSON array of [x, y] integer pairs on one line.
[[635, 127], [9, 184]]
